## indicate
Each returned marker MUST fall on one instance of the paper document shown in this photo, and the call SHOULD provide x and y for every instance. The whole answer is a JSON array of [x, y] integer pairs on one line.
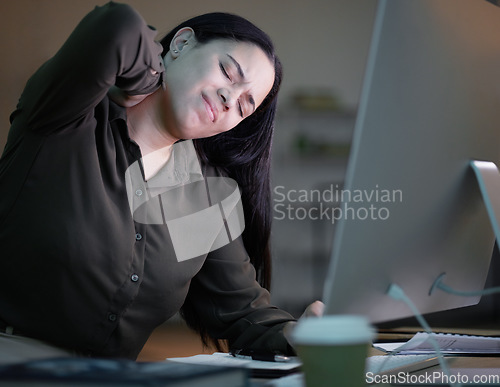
[[447, 343], [257, 368]]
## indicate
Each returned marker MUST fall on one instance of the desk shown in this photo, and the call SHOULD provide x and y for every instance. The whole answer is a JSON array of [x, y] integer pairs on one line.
[[171, 340], [463, 369]]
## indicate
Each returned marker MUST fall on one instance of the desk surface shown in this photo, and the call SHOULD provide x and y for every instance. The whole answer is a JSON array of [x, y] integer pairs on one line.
[[466, 370], [463, 369], [164, 342]]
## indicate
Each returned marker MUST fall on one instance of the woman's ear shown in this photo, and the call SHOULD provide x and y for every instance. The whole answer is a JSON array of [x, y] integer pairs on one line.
[[183, 38]]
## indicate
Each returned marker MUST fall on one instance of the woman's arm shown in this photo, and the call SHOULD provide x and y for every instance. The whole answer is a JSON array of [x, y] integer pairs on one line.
[[230, 304], [112, 45], [124, 99]]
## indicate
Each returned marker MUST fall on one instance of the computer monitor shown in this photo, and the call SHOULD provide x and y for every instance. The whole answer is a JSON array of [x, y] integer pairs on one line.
[[412, 208]]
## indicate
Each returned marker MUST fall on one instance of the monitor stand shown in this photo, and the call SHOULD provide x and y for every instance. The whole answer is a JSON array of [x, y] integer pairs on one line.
[[488, 178]]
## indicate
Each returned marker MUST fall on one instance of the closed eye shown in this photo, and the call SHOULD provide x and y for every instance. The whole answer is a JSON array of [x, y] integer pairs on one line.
[[239, 109], [224, 72]]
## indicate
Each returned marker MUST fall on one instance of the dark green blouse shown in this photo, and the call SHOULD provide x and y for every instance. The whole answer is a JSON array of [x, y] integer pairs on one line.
[[76, 269]]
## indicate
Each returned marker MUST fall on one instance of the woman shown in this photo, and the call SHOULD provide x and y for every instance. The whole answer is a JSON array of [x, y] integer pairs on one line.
[[82, 274]]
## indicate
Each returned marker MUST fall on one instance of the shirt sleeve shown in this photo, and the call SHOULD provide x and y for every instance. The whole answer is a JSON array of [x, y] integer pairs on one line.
[[112, 45], [234, 306]]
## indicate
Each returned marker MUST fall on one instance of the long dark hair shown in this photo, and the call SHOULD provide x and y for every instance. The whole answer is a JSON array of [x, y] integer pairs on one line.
[[244, 152]]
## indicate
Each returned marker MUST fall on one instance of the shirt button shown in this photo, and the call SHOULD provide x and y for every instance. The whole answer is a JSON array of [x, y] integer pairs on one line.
[[112, 317], [139, 192], [134, 277], [138, 237]]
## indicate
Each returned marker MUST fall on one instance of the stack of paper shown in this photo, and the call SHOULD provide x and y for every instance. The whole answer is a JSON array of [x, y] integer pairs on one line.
[[447, 343]]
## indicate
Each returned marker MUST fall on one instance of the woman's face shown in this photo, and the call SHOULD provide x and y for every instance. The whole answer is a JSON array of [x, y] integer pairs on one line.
[[212, 87]]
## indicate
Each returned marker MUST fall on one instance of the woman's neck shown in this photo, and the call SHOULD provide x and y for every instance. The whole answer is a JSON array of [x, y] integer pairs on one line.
[[146, 129], [146, 125]]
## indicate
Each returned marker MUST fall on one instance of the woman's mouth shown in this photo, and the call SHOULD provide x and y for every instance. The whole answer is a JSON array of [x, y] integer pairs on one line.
[[210, 108]]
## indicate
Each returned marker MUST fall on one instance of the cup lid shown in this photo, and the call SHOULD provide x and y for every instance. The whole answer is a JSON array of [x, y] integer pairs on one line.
[[333, 329]]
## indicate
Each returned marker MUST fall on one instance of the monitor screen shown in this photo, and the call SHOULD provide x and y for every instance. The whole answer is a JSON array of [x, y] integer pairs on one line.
[[411, 207]]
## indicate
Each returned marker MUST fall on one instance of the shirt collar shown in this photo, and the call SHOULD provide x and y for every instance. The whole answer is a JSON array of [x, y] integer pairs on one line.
[[116, 111], [183, 167]]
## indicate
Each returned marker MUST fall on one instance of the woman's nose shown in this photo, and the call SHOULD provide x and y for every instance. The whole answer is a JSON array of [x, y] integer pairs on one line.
[[226, 98]]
